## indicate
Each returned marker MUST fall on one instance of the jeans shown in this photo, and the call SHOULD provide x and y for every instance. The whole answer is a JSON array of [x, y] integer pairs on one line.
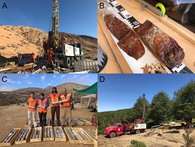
[[31, 119]]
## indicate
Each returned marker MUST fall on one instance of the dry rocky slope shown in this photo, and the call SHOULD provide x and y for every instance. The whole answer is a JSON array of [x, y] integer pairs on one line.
[[22, 39], [21, 95]]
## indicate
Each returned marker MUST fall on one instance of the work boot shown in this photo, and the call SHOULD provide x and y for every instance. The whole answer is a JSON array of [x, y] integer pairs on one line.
[[58, 123]]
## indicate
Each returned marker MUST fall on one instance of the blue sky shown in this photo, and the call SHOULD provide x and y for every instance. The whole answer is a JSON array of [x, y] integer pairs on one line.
[[76, 16], [122, 91], [17, 81]]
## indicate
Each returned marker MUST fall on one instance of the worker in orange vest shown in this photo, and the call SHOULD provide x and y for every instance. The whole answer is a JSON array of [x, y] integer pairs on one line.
[[50, 57], [43, 104], [67, 118], [32, 105], [55, 108]]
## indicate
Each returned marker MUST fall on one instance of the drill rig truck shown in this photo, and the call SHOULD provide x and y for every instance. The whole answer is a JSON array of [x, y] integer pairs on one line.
[[64, 54]]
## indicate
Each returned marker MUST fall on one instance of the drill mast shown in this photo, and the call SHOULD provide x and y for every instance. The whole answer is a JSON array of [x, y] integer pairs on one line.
[[55, 25]]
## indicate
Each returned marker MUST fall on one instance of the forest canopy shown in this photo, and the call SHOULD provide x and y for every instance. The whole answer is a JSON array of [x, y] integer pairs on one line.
[[162, 109]]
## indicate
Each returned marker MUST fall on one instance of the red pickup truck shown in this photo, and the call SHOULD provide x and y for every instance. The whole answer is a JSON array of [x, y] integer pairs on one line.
[[122, 128]]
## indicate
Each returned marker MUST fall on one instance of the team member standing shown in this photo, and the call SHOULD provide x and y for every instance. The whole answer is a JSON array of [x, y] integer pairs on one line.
[[43, 104], [50, 57], [67, 107], [55, 108], [32, 105]]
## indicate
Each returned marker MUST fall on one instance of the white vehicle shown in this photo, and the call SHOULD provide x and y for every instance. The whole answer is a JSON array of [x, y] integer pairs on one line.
[[68, 55]]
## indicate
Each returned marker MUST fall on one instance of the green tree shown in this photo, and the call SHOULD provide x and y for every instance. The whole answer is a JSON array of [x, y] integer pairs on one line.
[[184, 102], [160, 108], [141, 108]]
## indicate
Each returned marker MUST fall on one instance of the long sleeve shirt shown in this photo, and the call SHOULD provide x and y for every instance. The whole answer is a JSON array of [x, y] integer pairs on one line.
[[47, 104]]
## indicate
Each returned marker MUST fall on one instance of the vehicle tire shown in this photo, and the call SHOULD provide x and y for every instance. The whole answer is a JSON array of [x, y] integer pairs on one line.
[[68, 62], [138, 132], [72, 61], [79, 58], [112, 134]]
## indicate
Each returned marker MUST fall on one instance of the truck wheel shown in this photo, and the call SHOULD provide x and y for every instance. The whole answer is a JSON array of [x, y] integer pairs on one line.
[[138, 131], [72, 61], [112, 135], [68, 62]]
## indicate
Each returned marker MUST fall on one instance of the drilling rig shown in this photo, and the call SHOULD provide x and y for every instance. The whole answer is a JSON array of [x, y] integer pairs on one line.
[[54, 34], [64, 54]]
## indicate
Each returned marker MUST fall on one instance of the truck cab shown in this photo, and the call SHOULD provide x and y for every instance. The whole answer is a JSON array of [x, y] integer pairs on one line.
[[113, 131], [127, 127]]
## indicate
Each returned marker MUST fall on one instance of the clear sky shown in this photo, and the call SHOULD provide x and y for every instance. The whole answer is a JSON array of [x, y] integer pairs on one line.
[[17, 81], [122, 91], [76, 16]]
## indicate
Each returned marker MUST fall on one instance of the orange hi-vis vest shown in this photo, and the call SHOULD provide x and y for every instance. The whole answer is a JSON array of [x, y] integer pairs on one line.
[[66, 104], [54, 98], [42, 104], [32, 103]]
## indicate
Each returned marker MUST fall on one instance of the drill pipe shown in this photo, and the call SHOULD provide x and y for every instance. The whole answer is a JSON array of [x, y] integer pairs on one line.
[[84, 135], [71, 134], [59, 132], [9, 136], [34, 133], [19, 137], [92, 132], [37, 134], [25, 133], [21, 134]]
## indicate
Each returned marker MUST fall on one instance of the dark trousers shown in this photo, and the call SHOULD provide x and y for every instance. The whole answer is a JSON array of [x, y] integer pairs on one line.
[[42, 118], [72, 106], [55, 110]]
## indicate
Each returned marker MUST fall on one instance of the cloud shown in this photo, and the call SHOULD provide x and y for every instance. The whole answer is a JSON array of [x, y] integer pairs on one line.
[[49, 84], [11, 81], [81, 78], [29, 83], [62, 76], [43, 78], [54, 76], [19, 82], [26, 76], [6, 88]]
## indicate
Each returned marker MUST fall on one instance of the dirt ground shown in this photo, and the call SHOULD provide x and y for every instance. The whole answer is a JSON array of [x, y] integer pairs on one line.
[[167, 140], [16, 117]]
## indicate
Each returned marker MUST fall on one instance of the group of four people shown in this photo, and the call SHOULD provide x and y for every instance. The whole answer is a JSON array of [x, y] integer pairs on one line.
[[41, 105]]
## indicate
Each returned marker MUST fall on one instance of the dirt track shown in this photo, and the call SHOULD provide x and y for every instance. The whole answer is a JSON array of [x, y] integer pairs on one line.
[[16, 116], [168, 140]]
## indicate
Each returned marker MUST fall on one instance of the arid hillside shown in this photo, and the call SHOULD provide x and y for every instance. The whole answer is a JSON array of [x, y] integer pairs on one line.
[[21, 95], [20, 39]]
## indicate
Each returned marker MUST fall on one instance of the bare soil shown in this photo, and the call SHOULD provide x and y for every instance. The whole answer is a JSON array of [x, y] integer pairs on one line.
[[166, 140]]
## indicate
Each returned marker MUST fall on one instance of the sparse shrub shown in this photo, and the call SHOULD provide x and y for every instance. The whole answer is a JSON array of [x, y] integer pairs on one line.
[[136, 143], [187, 138]]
